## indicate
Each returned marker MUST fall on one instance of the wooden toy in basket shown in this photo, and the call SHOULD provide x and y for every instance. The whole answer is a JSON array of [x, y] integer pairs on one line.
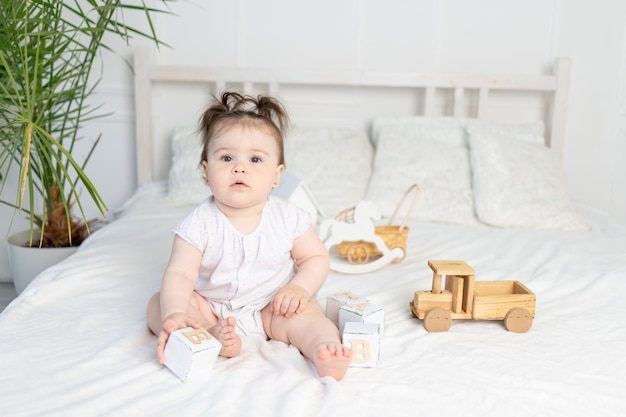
[[367, 247]]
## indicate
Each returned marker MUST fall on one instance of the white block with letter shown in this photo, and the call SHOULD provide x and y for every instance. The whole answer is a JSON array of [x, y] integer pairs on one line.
[[335, 301], [362, 312], [364, 340], [190, 352]]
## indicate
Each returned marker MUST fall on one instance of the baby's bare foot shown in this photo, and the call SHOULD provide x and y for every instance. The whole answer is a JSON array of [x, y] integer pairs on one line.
[[224, 331], [332, 359]]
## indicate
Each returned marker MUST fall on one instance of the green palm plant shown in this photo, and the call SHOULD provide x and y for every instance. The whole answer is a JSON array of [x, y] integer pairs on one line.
[[48, 50]]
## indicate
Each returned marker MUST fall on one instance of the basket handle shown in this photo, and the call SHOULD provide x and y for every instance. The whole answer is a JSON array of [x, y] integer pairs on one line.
[[408, 213]]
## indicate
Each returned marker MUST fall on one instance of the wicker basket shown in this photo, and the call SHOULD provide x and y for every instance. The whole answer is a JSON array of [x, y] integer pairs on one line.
[[394, 236]]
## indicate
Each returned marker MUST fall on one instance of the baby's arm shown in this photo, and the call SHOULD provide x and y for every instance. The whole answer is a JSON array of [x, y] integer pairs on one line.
[[179, 281], [313, 263]]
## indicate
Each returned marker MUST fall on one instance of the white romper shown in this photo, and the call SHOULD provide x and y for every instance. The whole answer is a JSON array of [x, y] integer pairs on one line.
[[240, 273]]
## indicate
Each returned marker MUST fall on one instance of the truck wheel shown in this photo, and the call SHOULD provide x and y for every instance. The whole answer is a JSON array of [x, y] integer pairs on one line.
[[518, 320], [438, 320]]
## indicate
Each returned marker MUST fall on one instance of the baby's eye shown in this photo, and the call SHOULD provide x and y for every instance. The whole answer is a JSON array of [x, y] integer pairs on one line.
[[226, 158], [255, 159]]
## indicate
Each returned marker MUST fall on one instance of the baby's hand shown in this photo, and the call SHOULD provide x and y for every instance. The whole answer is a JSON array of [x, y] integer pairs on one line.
[[291, 299], [172, 323]]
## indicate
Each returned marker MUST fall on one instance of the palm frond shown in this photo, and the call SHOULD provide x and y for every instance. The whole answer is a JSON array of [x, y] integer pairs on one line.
[[48, 49]]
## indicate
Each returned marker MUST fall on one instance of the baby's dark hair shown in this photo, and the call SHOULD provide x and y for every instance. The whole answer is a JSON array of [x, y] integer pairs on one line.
[[235, 108]]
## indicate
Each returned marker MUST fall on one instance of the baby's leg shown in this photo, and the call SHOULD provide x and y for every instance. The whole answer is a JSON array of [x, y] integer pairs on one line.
[[199, 309], [314, 335]]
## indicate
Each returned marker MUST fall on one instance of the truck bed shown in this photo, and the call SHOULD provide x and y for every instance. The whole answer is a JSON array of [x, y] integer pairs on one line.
[[493, 299]]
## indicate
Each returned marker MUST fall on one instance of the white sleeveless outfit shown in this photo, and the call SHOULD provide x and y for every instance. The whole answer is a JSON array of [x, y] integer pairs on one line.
[[241, 273]]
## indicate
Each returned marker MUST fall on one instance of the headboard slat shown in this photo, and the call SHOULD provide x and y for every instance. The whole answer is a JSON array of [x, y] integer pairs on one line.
[[458, 102], [562, 71], [429, 101], [483, 99]]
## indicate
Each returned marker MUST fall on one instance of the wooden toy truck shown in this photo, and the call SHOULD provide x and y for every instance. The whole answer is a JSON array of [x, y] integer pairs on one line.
[[463, 298]]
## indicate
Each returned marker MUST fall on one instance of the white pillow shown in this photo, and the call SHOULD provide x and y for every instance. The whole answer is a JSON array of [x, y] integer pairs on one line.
[[185, 184], [432, 151], [519, 184], [528, 132], [434, 157], [452, 129], [335, 163], [444, 129]]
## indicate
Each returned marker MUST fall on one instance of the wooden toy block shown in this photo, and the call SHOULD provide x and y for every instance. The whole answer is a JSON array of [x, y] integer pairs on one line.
[[335, 301], [190, 352], [364, 340], [362, 312]]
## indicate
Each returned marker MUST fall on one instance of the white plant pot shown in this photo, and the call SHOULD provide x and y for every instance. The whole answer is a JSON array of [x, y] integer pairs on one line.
[[27, 262]]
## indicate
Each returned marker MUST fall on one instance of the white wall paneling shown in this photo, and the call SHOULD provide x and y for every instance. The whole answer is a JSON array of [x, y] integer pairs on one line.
[[498, 36]]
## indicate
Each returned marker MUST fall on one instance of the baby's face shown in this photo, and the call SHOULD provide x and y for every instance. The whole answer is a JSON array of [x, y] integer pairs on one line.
[[242, 167]]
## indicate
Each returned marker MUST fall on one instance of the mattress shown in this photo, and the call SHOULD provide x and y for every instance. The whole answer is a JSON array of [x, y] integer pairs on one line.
[[75, 343]]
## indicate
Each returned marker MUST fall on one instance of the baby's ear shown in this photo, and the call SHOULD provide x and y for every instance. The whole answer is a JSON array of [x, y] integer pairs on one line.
[[202, 169], [280, 169]]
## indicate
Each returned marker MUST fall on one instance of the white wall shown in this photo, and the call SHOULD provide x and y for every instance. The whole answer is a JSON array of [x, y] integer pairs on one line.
[[504, 36]]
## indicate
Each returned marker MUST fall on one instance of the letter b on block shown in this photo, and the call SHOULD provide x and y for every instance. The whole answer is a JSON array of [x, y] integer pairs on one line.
[[197, 336], [360, 351], [364, 340]]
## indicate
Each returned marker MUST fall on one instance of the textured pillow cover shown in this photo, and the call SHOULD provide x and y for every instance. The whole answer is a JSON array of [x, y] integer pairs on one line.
[[434, 157], [519, 184], [433, 152], [335, 163], [184, 182], [444, 129], [456, 126]]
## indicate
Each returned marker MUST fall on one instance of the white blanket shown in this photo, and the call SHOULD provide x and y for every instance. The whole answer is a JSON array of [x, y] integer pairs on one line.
[[75, 343]]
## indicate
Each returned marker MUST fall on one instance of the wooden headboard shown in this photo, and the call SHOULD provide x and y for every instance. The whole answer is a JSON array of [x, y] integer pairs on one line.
[[356, 94]]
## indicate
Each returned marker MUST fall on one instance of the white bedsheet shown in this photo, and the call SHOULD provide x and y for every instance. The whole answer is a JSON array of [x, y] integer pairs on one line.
[[75, 343]]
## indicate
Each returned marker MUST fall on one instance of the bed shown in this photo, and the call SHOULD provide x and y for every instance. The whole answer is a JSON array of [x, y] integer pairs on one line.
[[486, 153]]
